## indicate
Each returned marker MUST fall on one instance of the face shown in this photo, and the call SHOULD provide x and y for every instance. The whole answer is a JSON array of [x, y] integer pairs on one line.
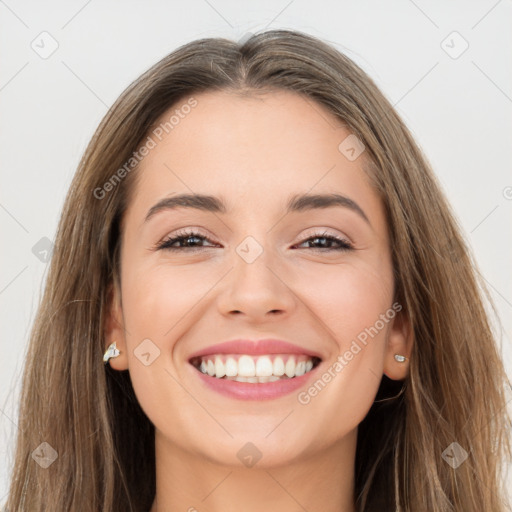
[[315, 277]]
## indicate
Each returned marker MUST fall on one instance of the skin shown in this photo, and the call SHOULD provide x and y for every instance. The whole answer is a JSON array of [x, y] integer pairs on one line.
[[255, 152]]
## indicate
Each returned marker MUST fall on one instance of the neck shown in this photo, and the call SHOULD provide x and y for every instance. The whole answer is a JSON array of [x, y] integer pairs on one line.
[[188, 482]]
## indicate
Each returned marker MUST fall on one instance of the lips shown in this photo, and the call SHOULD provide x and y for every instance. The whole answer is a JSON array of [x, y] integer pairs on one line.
[[255, 370]]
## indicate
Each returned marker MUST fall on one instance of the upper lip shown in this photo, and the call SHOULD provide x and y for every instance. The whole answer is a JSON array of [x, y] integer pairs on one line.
[[254, 347]]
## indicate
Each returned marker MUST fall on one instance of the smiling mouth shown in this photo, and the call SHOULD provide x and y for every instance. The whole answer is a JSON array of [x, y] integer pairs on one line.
[[255, 369]]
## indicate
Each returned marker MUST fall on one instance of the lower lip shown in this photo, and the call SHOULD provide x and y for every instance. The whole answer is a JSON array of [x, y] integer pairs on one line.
[[257, 390]]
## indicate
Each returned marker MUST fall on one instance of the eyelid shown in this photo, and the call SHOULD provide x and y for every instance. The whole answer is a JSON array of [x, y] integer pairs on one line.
[[183, 232], [325, 231]]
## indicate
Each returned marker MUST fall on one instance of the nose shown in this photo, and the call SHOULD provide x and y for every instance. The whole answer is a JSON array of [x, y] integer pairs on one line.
[[258, 291]]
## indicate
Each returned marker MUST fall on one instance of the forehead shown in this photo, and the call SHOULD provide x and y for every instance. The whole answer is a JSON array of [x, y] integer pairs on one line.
[[251, 149]]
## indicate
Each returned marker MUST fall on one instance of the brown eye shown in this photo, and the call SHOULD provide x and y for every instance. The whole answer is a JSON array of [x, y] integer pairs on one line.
[[187, 238], [325, 242]]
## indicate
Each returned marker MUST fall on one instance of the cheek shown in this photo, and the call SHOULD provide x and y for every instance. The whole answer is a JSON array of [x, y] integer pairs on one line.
[[156, 305], [351, 303], [156, 297], [161, 302], [346, 299]]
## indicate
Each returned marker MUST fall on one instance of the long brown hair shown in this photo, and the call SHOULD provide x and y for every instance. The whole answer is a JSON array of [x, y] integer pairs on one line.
[[89, 414]]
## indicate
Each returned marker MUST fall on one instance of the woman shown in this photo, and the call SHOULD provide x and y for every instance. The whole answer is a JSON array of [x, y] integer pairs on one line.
[[259, 300]]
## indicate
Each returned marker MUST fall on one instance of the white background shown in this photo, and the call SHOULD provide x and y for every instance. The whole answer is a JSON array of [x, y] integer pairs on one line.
[[459, 110]]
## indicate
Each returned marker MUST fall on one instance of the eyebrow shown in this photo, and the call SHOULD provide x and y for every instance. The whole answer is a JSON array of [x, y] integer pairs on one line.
[[296, 203]]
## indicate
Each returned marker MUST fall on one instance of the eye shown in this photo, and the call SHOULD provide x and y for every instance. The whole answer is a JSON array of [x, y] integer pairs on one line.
[[188, 239], [326, 239]]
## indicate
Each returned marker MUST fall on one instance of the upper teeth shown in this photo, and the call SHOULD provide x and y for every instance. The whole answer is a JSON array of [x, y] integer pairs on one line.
[[271, 366]]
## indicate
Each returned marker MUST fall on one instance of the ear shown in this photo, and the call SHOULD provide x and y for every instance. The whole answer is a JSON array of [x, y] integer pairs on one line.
[[400, 341], [114, 328]]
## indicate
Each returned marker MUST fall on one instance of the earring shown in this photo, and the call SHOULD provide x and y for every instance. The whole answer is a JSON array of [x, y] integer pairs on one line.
[[111, 351], [400, 358]]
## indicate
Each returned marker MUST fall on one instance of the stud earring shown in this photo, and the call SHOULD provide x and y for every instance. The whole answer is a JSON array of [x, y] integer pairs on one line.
[[111, 351], [400, 358]]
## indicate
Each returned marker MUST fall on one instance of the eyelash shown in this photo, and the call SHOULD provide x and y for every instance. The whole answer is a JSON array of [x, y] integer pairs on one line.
[[166, 244]]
